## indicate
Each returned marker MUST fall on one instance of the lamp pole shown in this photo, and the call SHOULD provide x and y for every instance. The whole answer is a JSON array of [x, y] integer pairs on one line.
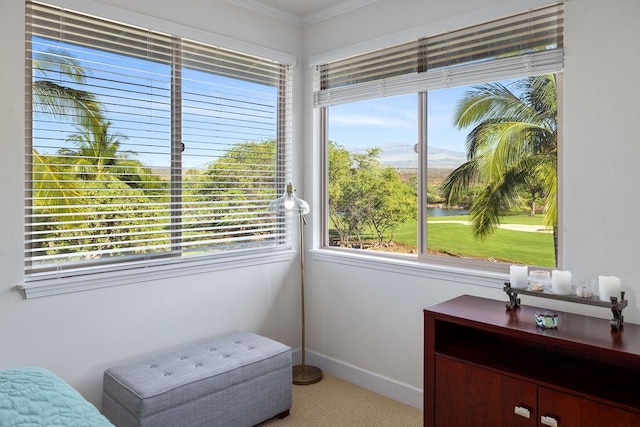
[[304, 374], [289, 204]]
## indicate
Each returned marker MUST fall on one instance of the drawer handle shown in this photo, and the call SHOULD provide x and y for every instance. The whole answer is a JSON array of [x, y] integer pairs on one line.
[[522, 411], [548, 421]]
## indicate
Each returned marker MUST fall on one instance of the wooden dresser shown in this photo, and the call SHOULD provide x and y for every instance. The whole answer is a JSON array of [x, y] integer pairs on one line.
[[485, 365]]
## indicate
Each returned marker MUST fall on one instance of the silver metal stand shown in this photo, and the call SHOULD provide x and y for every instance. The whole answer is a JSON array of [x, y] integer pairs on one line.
[[615, 305], [304, 374]]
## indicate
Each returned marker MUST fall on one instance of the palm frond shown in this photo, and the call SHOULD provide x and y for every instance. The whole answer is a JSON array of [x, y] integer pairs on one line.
[[459, 180], [65, 102], [54, 63], [52, 186], [497, 197], [512, 145]]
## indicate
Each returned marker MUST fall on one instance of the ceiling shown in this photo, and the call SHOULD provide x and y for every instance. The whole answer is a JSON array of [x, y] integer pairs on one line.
[[302, 12]]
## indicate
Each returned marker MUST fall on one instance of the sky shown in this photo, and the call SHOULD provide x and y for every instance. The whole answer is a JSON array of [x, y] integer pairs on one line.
[[218, 111], [394, 120], [390, 122]]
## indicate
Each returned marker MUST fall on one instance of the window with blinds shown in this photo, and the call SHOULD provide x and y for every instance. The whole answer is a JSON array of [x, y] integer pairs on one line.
[[444, 148], [529, 43], [145, 149]]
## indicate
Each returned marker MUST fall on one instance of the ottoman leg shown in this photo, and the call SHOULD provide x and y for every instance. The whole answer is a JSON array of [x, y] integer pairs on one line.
[[283, 414]]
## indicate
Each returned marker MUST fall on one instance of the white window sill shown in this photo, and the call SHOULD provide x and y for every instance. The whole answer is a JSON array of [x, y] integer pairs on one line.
[[62, 285], [411, 266]]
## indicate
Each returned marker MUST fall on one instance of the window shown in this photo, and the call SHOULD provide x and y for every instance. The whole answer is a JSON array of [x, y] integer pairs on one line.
[[372, 174], [444, 149], [147, 150]]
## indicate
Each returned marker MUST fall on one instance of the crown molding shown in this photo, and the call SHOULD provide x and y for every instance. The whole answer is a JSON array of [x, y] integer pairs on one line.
[[346, 6], [268, 10], [301, 21]]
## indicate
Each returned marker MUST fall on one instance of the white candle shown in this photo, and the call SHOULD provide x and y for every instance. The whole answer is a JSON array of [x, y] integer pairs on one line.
[[561, 282], [518, 276], [609, 286]]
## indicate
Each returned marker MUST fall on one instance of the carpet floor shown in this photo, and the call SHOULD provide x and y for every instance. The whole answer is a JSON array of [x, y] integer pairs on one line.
[[336, 403]]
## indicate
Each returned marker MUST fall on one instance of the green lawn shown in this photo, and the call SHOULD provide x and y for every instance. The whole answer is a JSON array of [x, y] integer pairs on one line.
[[504, 245], [531, 248]]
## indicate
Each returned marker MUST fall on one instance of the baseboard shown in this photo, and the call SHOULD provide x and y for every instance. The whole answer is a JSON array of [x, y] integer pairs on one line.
[[385, 386]]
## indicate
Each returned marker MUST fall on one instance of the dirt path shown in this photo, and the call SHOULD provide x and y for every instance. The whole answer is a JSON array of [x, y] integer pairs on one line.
[[514, 227]]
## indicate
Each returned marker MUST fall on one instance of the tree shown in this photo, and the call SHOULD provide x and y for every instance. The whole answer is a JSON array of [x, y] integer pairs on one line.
[[98, 156], [63, 102], [97, 151], [512, 147], [234, 188], [365, 196], [394, 202], [51, 96], [339, 160], [114, 220], [53, 189]]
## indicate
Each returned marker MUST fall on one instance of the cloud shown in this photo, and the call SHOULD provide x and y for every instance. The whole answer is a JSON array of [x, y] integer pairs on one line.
[[442, 120], [353, 120]]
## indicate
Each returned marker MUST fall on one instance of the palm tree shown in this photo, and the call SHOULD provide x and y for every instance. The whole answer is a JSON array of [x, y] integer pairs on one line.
[[51, 185], [512, 147], [49, 96], [97, 151]]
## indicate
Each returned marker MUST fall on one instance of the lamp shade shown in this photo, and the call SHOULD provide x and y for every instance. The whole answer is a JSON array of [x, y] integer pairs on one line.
[[289, 204]]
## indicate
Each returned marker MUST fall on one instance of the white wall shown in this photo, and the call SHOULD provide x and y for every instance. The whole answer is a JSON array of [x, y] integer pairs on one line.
[[366, 324], [79, 335], [363, 324]]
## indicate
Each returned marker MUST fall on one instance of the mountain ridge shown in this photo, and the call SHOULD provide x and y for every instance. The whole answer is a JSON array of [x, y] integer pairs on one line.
[[404, 156]]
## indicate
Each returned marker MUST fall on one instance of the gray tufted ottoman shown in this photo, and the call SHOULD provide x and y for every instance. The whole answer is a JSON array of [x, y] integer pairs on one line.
[[237, 380]]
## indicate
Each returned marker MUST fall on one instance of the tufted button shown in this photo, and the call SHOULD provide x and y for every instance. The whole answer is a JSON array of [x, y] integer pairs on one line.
[[225, 356], [198, 365], [167, 374], [183, 358], [251, 347], [213, 349], [238, 342], [153, 366]]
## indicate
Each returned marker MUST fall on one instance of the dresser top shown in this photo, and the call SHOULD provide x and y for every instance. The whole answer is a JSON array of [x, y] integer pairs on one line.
[[572, 330]]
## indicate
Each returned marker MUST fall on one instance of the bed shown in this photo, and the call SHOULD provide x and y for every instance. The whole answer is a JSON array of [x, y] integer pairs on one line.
[[37, 397]]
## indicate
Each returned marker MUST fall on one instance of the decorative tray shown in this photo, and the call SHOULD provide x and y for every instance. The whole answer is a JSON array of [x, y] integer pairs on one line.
[[614, 304]]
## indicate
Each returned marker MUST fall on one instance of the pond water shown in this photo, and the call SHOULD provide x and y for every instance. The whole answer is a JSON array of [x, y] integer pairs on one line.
[[436, 211]]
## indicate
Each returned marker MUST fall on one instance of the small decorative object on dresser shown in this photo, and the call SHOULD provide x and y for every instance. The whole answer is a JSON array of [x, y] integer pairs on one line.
[[616, 305], [518, 276], [608, 287], [539, 280], [561, 282], [547, 320]]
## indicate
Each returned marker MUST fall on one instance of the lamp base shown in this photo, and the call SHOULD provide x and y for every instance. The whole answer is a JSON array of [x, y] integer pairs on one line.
[[305, 375]]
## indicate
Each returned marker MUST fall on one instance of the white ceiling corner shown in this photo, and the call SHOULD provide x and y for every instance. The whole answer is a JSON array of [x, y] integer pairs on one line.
[[302, 12]]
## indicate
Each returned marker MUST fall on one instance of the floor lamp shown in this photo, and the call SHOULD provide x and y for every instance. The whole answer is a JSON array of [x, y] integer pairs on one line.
[[289, 204]]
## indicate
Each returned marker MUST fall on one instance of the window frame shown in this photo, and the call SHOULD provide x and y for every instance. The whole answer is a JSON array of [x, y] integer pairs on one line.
[[137, 268], [466, 270]]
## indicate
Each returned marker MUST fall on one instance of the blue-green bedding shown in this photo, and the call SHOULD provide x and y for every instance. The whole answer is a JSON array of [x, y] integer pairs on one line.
[[31, 397]]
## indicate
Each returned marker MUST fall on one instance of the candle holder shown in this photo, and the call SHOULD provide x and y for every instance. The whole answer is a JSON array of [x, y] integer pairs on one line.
[[614, 304], [540, 280]]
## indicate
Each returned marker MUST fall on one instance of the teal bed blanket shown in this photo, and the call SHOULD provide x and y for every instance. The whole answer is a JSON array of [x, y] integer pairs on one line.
[[31, 397]]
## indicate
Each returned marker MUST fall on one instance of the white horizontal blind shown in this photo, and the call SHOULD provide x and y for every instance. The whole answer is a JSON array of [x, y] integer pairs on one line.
[[143, 148], [526, 44]]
